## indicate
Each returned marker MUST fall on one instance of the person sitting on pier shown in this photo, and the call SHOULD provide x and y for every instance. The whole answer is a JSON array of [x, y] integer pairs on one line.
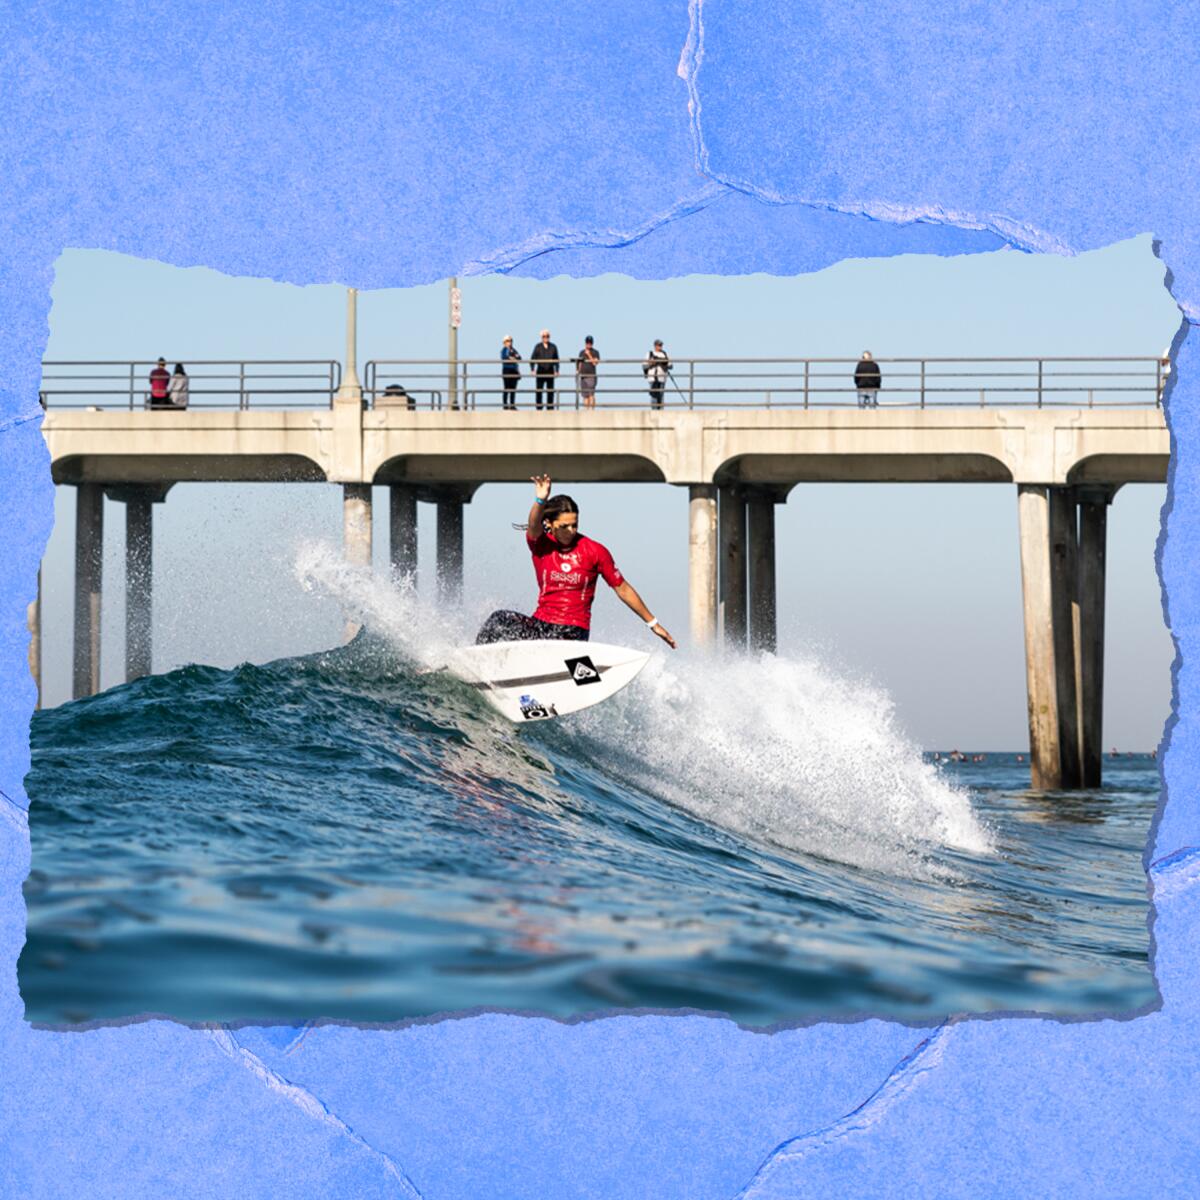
[[567, 565], [177, 389], [160, 382], [396, 396]]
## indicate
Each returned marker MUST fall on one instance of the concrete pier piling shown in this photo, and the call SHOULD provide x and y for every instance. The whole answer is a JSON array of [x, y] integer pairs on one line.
[[1093, 531], [1063, 533], [89, 560], [139, 559], [702, 564], [402, 541], [356, 535], [731, 532], [356, 523], [449, 548], [760, 536], [1033, 513], [1063, 618]]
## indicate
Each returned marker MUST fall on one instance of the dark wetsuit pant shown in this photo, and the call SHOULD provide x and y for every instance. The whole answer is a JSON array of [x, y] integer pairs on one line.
[[508, 626]]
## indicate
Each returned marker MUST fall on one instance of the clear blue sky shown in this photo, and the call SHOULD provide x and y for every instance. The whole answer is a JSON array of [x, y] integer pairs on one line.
[[915, 586]]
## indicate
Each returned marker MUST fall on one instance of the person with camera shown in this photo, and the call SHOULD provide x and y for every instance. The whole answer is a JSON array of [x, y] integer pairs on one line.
[[656, 368]]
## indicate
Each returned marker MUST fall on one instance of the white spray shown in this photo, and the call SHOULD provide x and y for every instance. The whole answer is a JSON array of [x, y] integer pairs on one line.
[[782, 750], [787, 752]]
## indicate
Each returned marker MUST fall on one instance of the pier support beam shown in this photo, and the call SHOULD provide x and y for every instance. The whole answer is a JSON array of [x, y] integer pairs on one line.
[[760, 537], [33, 618], [356, 535], [403, 531], [1049, 552], [702, 564], [356, 523], [89, 558], [139, 577], [1033, 515], [1064, 547], [731, 532], [1093, 533], [449, 547], [139, 499]]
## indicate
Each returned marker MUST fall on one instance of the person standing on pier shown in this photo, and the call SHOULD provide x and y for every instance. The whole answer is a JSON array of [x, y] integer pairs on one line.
[[585, 371], [567, 566], [510, 373], [867, 379], [160, 382], [656, 368], [544, 364]]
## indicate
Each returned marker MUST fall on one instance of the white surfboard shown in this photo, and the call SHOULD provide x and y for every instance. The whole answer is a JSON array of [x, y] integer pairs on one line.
[[538, 680]]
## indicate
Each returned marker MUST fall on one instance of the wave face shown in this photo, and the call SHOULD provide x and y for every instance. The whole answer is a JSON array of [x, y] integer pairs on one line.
[[345, 836]]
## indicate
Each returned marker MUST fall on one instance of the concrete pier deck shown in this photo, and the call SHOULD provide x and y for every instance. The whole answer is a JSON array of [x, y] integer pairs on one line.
[[345, 444]]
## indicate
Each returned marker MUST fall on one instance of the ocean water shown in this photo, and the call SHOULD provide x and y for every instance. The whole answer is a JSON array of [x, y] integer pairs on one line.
[[343, 836]]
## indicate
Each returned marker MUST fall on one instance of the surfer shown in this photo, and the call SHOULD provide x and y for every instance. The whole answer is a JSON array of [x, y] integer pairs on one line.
[[567, 565]]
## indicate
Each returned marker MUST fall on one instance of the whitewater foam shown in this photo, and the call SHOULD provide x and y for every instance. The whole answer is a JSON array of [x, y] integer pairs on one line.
[[784, 750]]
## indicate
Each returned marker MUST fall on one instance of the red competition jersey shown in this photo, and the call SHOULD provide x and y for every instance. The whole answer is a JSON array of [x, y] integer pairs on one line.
[[567, 578]]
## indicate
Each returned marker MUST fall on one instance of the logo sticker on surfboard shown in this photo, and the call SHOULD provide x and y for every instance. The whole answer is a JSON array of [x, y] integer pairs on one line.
[[532, 710], [583, 670]]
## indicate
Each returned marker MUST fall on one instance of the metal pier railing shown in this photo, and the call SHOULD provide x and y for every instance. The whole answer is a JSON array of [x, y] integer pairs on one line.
[[692, 383]]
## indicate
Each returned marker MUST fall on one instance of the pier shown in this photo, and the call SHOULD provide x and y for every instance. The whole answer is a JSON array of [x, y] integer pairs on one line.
[[739, 435]]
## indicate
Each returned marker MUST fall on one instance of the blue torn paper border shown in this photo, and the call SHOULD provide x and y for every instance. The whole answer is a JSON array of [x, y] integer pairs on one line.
[[392, 144]]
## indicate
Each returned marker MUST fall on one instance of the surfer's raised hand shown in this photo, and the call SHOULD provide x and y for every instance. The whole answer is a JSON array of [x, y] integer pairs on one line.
[[659, 631], [542, 484]]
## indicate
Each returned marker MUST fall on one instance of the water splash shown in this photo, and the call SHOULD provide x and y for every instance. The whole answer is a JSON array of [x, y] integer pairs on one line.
[[392, 610], [787, 751], [782, 750]]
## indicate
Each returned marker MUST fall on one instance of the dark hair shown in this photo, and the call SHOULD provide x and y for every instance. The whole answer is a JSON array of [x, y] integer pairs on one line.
[[557, 505], [179, 369]]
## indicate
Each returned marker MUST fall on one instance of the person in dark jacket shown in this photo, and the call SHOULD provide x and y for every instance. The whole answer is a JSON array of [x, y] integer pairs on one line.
[[867, 379], [510, 373], [544, 364]]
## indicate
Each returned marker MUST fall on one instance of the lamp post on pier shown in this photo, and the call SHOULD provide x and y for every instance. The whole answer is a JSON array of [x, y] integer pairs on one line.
[[356, 494], [351, 389], [455, 322]]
